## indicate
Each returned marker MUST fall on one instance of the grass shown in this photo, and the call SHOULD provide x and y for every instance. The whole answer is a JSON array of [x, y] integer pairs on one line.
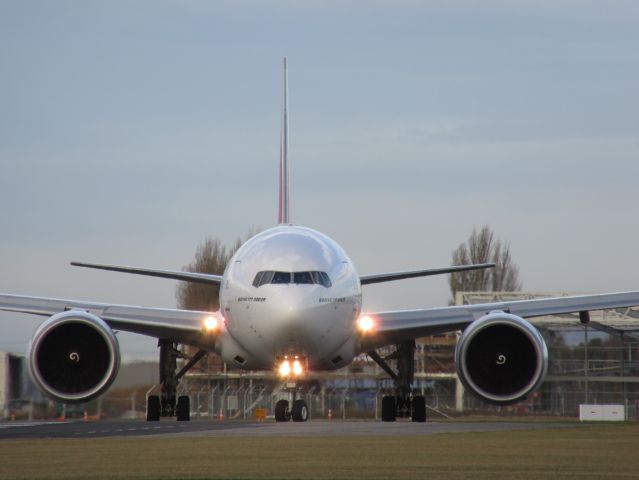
[[590, 452]]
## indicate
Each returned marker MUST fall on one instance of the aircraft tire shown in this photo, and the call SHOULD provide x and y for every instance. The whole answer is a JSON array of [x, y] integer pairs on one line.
[[418, 409], [153, 408], [282, 412], [183, 409], [389, 408], [300, 411]]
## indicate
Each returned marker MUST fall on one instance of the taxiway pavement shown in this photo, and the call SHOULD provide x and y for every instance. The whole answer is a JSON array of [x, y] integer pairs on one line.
[[209, 428]]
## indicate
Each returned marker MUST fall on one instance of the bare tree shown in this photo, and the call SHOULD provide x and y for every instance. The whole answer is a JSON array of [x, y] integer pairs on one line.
[[211, 256], [482, 247]]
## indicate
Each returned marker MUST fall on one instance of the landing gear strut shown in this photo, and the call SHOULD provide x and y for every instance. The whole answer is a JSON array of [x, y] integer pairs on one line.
[[403, 404], [168, 378], [299, 410], [168, 404]]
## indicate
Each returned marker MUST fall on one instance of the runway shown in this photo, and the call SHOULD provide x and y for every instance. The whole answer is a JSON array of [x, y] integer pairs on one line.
[[209, 428], [109, 428]]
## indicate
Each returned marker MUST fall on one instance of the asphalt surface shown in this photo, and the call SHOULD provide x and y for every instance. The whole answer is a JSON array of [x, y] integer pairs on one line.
[[107, 428], [209, 428]]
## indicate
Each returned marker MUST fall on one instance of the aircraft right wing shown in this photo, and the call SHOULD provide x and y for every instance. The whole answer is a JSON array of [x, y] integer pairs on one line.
[[397, 326]]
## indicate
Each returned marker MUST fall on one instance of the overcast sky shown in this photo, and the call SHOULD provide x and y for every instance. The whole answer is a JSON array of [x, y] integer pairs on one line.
[[129, 131]]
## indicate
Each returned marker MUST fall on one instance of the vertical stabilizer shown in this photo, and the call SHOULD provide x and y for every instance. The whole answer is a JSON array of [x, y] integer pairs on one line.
[[284, 212]]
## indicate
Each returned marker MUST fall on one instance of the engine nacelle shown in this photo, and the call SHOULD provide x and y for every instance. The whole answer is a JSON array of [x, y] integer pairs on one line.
[[74, 356], [501, 358]]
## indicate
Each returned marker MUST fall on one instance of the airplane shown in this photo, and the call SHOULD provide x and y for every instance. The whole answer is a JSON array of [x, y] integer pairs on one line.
[[291, 303]]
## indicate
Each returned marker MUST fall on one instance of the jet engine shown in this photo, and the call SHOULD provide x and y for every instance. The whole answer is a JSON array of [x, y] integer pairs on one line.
[[74, 356], [501, 358]]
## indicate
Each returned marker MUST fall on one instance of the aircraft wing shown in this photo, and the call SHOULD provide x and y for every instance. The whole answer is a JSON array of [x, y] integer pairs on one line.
[[390, 277], [184, 326], [172, 274], [397, 326]]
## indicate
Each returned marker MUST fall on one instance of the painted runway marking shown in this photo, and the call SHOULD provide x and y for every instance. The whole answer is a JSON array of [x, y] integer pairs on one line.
[[28, 424]]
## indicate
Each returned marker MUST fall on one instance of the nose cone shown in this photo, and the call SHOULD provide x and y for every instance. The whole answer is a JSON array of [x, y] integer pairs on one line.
[[297, 322], [297, 313]]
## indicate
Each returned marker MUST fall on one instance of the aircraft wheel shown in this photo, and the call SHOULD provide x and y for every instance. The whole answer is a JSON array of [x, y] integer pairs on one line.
[[418, 409], [183, 409], [282, 412], [300, 411], [153, 408], [389, 408]]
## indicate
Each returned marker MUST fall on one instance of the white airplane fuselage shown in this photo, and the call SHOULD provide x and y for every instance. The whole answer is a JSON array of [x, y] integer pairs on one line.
[[315, 322]]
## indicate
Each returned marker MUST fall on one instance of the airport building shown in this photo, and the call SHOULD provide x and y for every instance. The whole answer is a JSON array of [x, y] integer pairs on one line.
[[16, 390]]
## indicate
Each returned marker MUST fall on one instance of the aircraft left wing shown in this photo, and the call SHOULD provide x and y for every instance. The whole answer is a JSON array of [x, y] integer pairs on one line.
[[398, 326], [183, 326], [390, 277]]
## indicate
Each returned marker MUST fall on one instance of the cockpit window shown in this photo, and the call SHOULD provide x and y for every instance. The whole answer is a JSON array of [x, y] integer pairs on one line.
[[324, 279], [303, 277], [299, 278], [262, 278], [321, 278], [281, 277], [257, 281]]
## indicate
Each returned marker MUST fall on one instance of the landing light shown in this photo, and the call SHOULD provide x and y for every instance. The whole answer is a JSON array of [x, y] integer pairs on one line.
[[285, 368], [365, 324], [211, 323], [290, 366]]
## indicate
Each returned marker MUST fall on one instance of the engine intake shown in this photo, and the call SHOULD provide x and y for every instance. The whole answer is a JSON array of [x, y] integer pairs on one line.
[[74, 356], [501, 358]]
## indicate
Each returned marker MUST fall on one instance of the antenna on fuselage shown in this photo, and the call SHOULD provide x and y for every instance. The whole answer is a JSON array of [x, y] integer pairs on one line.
[[284, 212]]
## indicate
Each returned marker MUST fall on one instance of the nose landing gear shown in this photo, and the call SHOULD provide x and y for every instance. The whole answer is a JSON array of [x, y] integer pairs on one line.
[[299, 411], [282, 412]]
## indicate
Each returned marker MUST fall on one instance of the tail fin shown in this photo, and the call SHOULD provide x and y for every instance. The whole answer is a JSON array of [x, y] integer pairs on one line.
[[284, 212]]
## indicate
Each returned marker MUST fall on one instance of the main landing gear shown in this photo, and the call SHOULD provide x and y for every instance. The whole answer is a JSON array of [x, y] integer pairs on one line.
[[299, 410], [403, 404], [168, 404]]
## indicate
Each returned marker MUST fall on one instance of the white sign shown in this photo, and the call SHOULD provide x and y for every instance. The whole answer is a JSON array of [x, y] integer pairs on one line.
[[602, 413]]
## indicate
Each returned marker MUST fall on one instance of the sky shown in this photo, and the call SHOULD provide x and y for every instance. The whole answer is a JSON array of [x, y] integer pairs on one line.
[[130, 131]]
